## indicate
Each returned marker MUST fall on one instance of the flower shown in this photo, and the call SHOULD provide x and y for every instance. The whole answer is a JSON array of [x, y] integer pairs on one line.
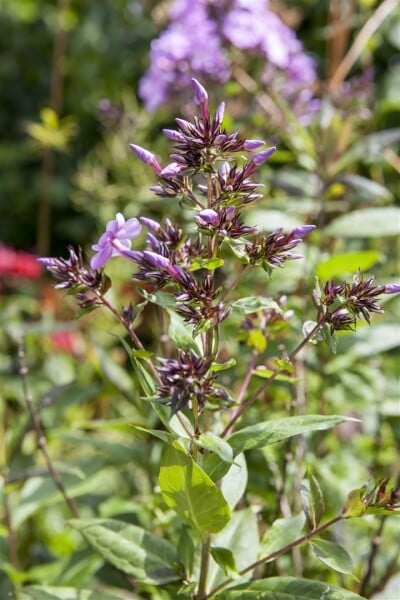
[[203, 39], [18, 264], [273, 250], [115, 241], [186, 381]]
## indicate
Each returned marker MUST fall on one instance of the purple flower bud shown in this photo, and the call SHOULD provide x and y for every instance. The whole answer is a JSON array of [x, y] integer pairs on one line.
[[392, 288], [184, 125], [220, 138], [230, 213], [147, 157], [174, 135], [156, 260], [253, 144], [208, 216], [219, 113], [171, 170], [261, 157], [302, 230], [199, 92], [150, 224], [224, 170]]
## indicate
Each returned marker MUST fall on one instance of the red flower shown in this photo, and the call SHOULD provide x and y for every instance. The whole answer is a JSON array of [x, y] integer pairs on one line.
[[18, 264]]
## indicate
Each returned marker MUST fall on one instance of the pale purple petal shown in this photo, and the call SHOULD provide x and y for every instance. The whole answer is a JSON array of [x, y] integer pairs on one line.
[[100, 258]]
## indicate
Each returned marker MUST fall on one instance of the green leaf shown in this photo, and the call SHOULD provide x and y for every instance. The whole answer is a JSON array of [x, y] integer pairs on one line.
[[188, 490], [224, 559], [216, 367], [369, 341], [131, 549], [368, 149], [211, 441], [251, 304], [47, 592], [209, 263], [333, 556], [354, 506], [266, 374], [144, 378], [366, 187], [312, 500], [180, 333], [347, 263], [233, 484], [241, 537], [368, 222], [286, 588], [270, 432], [186, 549], [281, 533]]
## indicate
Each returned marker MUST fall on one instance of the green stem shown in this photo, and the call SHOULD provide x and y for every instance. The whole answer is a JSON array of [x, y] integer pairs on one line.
[[205, 557], [270, 379], [277, 553]]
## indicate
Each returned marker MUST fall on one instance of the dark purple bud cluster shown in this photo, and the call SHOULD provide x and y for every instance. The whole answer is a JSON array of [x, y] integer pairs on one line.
[[225, 222], [273, 250], [345, 302], [71, 274], [185, 381]]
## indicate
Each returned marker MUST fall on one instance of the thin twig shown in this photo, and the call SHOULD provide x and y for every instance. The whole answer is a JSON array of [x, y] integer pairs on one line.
[[361, 40], [277, 553], [376, 542], [270, 379], [37, 426]]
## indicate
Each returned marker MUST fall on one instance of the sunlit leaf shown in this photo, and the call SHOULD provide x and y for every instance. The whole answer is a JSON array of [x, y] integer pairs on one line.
[[270, 432], [188, 490]]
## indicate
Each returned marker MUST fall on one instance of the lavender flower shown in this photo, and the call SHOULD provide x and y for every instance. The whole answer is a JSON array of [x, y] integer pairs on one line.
[[147, 157], [115, 241], [200, 38]]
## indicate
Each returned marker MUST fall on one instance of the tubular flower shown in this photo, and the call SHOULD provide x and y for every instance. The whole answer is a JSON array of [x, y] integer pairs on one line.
[[115, 241]]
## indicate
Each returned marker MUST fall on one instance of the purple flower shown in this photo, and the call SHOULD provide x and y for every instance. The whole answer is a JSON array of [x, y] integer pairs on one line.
[[261, 157], [253, 144], [392, 288], [115, 241], [147, 157]]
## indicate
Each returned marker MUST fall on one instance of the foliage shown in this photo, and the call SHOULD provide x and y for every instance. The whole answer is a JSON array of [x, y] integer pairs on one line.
[[224, 425]]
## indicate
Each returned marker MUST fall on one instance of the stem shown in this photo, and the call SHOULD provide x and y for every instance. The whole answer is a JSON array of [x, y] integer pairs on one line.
[[37, 426], [233, 284], [270, 379], [131, 332], [277, 553], [244, 386], [361, 40], [371, 558], [205, 557]]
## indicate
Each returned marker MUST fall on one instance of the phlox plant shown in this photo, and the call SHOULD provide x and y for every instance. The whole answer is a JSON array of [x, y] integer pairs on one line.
[[215, 543]]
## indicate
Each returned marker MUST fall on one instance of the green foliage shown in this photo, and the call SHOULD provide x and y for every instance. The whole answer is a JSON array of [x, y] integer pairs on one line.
[[153, 492]]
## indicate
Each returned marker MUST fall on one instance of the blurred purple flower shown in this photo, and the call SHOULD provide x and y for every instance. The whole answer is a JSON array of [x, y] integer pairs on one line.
[[197, 42], [115, 241]]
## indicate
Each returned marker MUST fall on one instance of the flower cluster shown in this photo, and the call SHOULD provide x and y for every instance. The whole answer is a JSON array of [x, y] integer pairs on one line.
[[187, 380], [275, 249], [345, 302], [200, 40], [89, 286]]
